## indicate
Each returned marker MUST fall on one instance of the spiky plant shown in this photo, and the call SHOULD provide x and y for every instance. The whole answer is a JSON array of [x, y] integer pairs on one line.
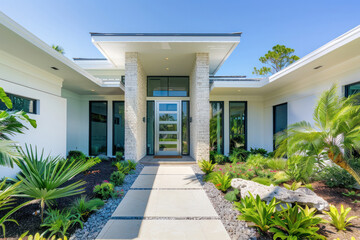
[[335, 133]]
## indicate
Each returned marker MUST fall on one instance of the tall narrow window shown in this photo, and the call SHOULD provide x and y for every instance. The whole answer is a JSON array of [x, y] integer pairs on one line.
[[118, 127], [238, 124], [98, 128], [217, 127], [185, 129], [150, 127], [279, 119]]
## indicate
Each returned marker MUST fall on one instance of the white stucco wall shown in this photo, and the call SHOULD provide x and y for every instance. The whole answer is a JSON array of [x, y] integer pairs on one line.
[[20, 78]]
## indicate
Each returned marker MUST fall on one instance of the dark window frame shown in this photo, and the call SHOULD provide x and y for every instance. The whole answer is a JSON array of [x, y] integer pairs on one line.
[[188, 126], [274, 119], [113, 126], [36, 104], [347, 88], [246, 124], [147, 86], [222, 122], [107, 116], [147, 118]]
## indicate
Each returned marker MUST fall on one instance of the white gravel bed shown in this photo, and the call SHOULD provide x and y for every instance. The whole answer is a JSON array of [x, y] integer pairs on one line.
[[97, 221]]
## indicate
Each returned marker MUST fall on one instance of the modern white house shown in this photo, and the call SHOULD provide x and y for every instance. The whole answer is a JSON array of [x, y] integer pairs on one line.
[[158, 94]]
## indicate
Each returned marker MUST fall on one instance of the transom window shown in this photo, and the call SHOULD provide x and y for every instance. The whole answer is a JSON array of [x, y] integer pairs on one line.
[[25, 104], [168, 87]]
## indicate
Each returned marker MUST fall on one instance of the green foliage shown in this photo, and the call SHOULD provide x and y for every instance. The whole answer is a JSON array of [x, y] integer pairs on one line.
[[257, 211], [245, 203], [37, 236], [295, 223], [238, 155], [260, 151], [334, 176], [58, 222], [58, 49], [206, 166], [275, 60], [83, 206], [119, 156], [281, 177], [43, 177], [301, 168], [105, 190], [338, 219], [117, 178], [296, 185], [351, 194], [232, 196], [131, 164], [103, 157], [277, 164], [263, 180], [77, 155], [221, 181], [11, 123], [122, 167], [219, 158], [212, 156], [257, 160]]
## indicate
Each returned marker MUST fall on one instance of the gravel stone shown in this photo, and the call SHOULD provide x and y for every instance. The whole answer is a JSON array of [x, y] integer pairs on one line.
[[97, 221]]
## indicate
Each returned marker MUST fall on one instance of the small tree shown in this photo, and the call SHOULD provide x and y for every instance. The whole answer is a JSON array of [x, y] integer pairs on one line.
[[335, 134], [277, 59], [58, 49]]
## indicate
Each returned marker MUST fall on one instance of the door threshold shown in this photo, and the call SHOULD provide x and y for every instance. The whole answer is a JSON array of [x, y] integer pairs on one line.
[[167, 156]]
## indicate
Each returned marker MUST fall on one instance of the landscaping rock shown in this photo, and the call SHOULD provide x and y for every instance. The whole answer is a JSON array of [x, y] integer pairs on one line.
[[303, 196]]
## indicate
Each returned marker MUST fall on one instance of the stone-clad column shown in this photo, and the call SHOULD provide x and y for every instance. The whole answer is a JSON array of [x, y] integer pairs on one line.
[[135, 108], [200, 108]]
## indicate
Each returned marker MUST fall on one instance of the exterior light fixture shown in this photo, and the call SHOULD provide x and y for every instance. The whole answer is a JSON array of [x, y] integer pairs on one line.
[[318, 67], [143, 119], [54, 68]]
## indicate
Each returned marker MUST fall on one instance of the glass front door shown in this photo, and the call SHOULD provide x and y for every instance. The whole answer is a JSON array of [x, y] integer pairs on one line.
[[168, 124]]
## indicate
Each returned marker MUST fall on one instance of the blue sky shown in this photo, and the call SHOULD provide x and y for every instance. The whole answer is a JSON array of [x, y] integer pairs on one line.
[[303, 25]]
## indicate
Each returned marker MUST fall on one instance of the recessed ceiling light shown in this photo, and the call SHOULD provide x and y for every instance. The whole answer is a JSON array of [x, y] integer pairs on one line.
[[166, 58], [317, 67], [167, 69], [54, 68]]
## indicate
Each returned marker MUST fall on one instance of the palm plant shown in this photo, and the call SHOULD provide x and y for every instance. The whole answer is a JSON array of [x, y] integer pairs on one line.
[[43, 177], [58, 49], [336, 132], [11, 123]]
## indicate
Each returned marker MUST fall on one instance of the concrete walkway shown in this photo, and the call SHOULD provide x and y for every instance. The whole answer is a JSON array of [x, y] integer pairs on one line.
[[165, 202]]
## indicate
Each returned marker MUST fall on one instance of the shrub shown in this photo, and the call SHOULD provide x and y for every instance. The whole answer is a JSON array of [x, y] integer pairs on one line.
[[76, 155], [294, 223], [206, 166], [260, 151], [257, 161], [37, 236], [339, 220], [219, 158], [245, 203], [281, 177], [276, 164], [259, 213], [84, 207], [335, 176], [232, 196], [301, 168], [263, 181], [239, 155], [122, 167], [131, 164], [117, 178], [105, 190], [212, 156], [103, 158], [221, 181], [119, 156], [58, 222]]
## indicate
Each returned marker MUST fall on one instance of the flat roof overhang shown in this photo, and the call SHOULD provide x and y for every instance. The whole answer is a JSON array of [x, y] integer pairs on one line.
[[22, 44], [167, 53]]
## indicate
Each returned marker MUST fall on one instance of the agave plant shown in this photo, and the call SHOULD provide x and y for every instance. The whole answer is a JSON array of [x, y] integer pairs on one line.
[[336, 131], [11, 123], [43, 177]]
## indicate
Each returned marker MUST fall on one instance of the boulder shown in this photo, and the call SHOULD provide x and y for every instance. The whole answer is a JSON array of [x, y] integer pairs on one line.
[[302, 196]]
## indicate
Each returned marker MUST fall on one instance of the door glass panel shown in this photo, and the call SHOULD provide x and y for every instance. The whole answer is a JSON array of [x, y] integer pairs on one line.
[[167, 137], [167, 117], [118, 127], [150, 127], [167, 147], [237, 125], [167, 107], [167, 127], [217, 127], [98, 128], [185, 127]]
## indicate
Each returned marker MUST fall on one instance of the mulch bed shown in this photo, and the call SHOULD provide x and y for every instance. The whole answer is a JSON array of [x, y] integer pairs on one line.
[[28, 222], [335, 197]]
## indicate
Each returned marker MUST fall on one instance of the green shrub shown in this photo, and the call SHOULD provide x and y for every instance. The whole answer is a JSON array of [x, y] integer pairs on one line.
[[260, 213], [245, 203], [232, 196], [38, 236], [276, 164], [58, 222], [281, 177], [77, 155], [221, 181], [338, 219], [105, 190], [84, 206], [119, 156], [301, 168], [219, 158], [206, 166], [294, 223], [257, 161], [238, 155], [260, 151], [263, 181], [212, 156], [131, 164], [122, 167], [334, 176], [117, 178]]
